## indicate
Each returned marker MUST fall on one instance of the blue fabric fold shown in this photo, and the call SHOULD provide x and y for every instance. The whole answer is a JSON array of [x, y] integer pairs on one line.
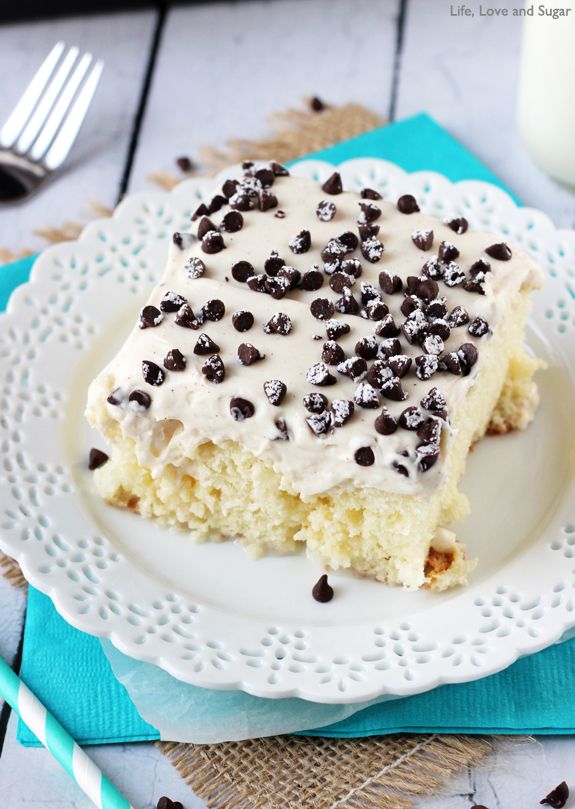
[[71, 675]]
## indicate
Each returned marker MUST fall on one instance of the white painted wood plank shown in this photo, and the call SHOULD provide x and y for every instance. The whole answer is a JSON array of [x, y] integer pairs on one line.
[[464, 71], [31, 779], [95, 165], [224, 68]]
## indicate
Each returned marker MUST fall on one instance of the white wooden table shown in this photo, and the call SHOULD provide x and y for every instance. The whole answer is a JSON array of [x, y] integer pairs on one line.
[[195, 76]]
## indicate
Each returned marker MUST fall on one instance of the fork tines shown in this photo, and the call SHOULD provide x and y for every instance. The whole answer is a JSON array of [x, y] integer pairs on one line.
[[44, 123]]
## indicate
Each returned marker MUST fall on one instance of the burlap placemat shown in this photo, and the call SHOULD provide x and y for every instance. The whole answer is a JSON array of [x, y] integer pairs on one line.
[[291, 771]]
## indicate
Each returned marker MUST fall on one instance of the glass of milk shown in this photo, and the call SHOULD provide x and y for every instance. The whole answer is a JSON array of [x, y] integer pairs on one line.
[[547, 92]]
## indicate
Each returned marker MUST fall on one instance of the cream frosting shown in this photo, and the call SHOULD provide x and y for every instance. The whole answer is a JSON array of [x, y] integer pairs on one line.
[[187, 409]]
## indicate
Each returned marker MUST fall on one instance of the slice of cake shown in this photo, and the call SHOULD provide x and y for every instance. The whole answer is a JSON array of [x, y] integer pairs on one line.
[[312, 369]]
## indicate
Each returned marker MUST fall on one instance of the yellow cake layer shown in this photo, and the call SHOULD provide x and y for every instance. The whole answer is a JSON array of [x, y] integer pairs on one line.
[[229, 492]]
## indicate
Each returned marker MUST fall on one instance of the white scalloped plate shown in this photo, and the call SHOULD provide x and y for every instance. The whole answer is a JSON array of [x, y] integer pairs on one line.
[[207, 613]]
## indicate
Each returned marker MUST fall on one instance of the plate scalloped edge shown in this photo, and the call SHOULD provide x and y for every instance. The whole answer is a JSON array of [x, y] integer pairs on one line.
[[74, 290]]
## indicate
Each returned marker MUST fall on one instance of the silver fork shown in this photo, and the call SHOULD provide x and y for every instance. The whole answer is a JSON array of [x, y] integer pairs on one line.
[[42, 128]]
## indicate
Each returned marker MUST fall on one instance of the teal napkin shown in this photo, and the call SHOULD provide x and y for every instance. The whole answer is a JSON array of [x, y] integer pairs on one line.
[[71, 675]]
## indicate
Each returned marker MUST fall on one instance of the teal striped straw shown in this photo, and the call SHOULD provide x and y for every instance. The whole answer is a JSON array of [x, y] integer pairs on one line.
[[58, 742]]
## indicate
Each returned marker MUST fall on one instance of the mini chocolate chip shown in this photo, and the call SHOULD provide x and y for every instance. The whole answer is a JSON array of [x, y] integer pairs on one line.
[[433, 344], [319, 374], [317, 105], [266, 177], [557, 798], [213, 242], [366, 396], [364, 456], [479, 267], [367, 231], [372, 250], [273, 264], [175, 360], [433, 400], [241, 202], [279, 323], [322, 308], [478, 327], [392, 389], [425, 366], [96, 459], [214, 309], [277, 287], [115, 398], [333, 184], [205, 226], [427, 456], [301, 242], [407, 204], [232, 221], [387, 327], [242, 320], [370, 212], [376, 309], [399, 364], [347, 304], [184, 240], [315, 402], [171, 302], [427, 290], [409, 305], [459, 225], [430, 431], [201, 210], [411, 418], [332, 353], [433, 268], [379, 374], [242, 270], [241, 409], [390, 282], [248, 354], [400, 469], [248, 168], [342, 410], [468, 353], [452, 363], [184, 163], [280, 215], [339, 280], [320, 423], [152, 373], [278, 169], [389, 347], [500, 251], [336, 329], [453, 275], [354, 367], [366, 348], [142, 399], [322, 591], [369, 193], [282, 430], [447, 251], [267, 201], [205, 345], [312, 280], [275, 390], [436, 309], [385, 424], [475, 285], [458, 317], [214, 369], [229, 188], [217, 202], [150, 316], [439, 328], [351, 266], [325, 210], [257, 283], [292, 275], [423, 239]]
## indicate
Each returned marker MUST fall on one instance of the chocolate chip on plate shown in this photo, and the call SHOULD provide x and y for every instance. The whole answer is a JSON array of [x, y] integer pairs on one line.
[[369, 193], [301, 242], [332, 353], [333, 184], [96, 459], [205, 226], [186, 318], [325, 210], [342, 410], [279, 323], [312, 280], [315, 402], [557, 798], [248, 354], [214, 309], [322, 591], [447, 251], [171, 302], [459, 224], [241, 409], [390, 282], [175, 360], [385, 424], [319, 374], [242, 270], [322, 308], [232, 221], [423, 239]]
